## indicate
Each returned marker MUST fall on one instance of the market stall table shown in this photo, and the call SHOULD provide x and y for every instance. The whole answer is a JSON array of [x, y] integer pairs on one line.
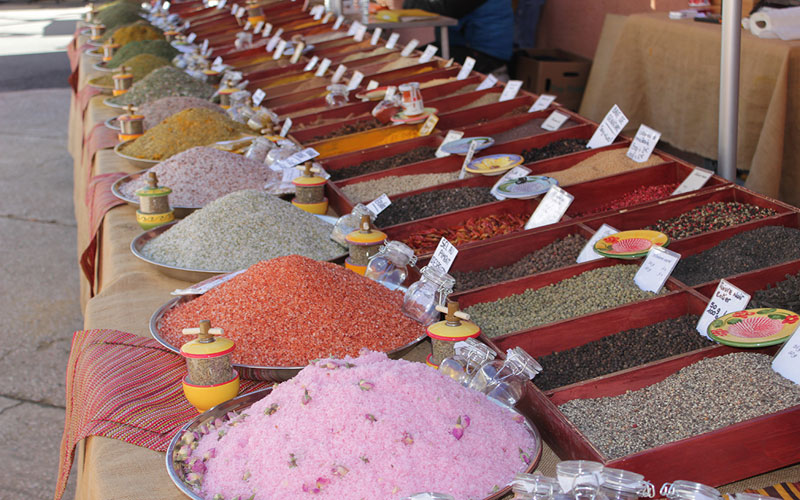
[[665, 73]]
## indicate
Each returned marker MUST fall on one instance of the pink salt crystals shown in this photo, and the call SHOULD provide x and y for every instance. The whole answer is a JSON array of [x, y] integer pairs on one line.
[[362, 428]]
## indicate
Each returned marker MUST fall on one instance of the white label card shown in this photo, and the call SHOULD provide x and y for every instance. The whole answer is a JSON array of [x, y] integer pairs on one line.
[[247, 26], [694, 181], [726, 299], [191, 37], [390, 91], [511, 90], [444, 256], [473, 146], [279, 31], [295, 159], [323, 67], [409, 48], [372, 85], [279, 50], [273, 42], [376, 36], [355, 80], [267, 30], [338, 23], [613, 123], [466, 68], [287, 124], [206, 285], [313, 62], [378, 205], [390, 44], [353, 28], [643, 144], [258, 96], [514, 173], [487, 82], [553, 206], [204, 48], [339, 73], [317, 11], [554, 121], [360, 33], [327, 18], [543, 102], [217, 63], [430, 51], [242, 12], [259, 27], [429, 125], [588, 254], [452, 135], [787, 361], [656, 268], [221, 4]]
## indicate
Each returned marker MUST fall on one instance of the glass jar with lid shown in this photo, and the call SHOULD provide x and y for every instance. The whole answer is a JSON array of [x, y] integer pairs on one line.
[[422, 297], [618, 484], [689, 490], [534, 487], [389, 266], [504, 380], [348, 223], [470, 355], [337, 95]]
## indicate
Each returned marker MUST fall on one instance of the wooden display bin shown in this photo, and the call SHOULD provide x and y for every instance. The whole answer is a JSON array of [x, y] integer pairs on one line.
[[482, 114], [503, 124], [754, 280], [356, 157]]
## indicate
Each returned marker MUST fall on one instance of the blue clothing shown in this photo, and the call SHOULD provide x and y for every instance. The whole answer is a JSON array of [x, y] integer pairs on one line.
[[488, 29]]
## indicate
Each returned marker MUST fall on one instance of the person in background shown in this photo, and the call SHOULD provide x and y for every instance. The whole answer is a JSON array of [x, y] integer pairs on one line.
[[485, 29]]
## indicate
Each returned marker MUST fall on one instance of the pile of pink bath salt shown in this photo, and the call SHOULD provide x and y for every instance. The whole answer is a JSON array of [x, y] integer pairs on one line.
[[361, 428]]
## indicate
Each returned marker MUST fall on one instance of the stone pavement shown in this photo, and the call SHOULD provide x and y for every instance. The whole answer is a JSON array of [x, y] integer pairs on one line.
[[38, 256]]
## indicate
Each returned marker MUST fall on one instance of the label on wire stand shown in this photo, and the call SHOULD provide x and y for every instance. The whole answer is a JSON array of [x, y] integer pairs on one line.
[[656, 268], [553, 206]]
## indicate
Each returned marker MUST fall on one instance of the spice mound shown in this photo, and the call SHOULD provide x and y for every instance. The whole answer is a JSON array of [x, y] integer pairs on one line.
[[118, 13], [432, 203], [585, 293], [708, 395], [164, 82], [555, 148], [289, 310], [134, 32], [200, 175], [602, 164], [240, 229], [784, 294], [710, 217], [158, 48], [155, 112], [473, 229], [382, 163], [395, 184], [748, 251], [139, 66], [183, 130], [640, 195], [367, 427]]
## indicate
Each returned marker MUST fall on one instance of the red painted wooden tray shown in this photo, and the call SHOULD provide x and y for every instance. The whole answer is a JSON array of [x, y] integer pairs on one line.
[[755, 280]]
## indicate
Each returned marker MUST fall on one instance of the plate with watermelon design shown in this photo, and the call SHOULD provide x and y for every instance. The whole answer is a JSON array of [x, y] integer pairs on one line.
[[754, 327], [630, 244]]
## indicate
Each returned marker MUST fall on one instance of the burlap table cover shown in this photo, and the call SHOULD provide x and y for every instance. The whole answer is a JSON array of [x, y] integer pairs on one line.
[[665, 73], [129, 291]]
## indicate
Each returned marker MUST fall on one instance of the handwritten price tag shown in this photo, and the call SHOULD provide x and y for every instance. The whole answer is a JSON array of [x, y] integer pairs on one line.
[[378, 205], [613, 123], [372, 85], [452, 135], [554, 121], [393, 38], [267, 30], [311, 63], [542, 102], [655, 269], [430, 51], [643, 144], [588, 254], [511, 90], [444, 256], [553, 206], [787, 361], [466, 68], [409, 48], [514, 173], [339, 73], [428, 126], [355, 80], [376, 36], [361, 31], [487, 83], [287, 124], [273, 42], [473, 146], [279, 50], [259, 27], [258, 96], [694, 181], [727, 298], [353, 28], [323, 67]]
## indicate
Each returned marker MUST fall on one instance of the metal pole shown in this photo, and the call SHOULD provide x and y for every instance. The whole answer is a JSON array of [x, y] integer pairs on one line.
[[729, 88]]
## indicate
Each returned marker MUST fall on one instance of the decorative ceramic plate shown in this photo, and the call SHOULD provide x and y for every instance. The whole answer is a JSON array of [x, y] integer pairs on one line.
[[402, 117], [375, 94], [526, 187], [461, 146], [754, 327], [494, 164], [630, 244]]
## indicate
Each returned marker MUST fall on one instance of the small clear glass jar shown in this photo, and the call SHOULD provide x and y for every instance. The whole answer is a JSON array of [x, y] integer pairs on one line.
[[504, 380], [389, 266], [348, 223], [689, 490], [470, 355], [534, 487], [580, 478], [618, 484], [337, 95], [422, 297], [259, 149]]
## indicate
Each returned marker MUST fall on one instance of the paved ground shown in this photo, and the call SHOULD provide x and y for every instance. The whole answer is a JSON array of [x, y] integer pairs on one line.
[[38, 295]]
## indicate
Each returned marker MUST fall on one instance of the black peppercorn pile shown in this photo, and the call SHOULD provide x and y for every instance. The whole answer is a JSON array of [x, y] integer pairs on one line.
[[620, 351], [370, 166], [555, 148], [782, 295], [559, 253], [710, 217], [350, 128], [432, 203], [748, 251]]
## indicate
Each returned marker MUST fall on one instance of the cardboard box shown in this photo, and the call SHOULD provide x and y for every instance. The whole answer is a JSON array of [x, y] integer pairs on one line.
[[554, 71]]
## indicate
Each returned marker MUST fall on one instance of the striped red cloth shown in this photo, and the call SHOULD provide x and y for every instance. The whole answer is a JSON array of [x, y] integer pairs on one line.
[[100, 137], [124, 387], [100, 200]]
